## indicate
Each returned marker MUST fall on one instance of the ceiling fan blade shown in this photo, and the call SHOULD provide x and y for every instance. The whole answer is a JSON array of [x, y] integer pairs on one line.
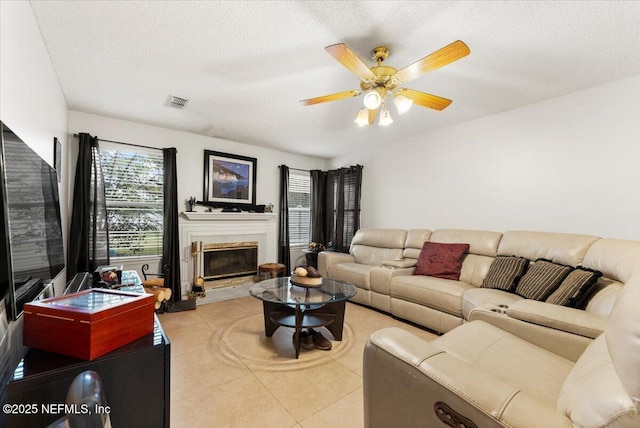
[[448, 54], [332, 97], [349, 59], [425, 100]]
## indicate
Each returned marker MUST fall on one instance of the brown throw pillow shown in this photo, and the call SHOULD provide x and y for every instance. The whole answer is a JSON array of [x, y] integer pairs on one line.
[[441, 260], [542, 279], [504, 272], [575, 287]]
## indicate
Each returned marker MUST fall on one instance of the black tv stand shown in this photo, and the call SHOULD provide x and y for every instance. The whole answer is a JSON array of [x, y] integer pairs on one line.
[[135, 380]]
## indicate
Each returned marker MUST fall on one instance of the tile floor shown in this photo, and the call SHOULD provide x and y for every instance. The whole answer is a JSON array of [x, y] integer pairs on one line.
[[226, 373]]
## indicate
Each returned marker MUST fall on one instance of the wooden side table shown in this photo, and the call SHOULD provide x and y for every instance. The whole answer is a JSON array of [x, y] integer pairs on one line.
[[273, 269]]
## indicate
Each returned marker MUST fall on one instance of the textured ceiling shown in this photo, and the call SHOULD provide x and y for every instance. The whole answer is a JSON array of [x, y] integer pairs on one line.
[[244, 65]]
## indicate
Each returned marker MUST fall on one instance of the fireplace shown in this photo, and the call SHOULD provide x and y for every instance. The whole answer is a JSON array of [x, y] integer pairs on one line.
[[218, 227], [229, 259]]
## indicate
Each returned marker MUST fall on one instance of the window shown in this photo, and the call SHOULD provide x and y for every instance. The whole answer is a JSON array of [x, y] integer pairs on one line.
[[346, 191], [299, 208], [133, 181]]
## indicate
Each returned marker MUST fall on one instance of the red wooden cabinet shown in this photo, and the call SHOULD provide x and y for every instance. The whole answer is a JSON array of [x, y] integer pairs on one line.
[[89, 323]]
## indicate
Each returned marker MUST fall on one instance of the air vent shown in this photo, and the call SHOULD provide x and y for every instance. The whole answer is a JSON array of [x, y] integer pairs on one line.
[[177, 102]]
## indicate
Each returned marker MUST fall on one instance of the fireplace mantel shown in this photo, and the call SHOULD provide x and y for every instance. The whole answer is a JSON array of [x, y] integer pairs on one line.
[[220, 216], [217, 227]]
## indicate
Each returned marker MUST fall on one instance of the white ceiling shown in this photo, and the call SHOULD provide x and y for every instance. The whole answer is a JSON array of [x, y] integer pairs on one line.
[[244, 65]]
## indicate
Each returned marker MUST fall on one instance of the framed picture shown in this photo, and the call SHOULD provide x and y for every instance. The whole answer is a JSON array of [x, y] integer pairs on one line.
[[57, 158], [229, 180]]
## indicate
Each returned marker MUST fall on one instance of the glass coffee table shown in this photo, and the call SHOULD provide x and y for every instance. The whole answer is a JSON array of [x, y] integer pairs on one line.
[[289, 305]]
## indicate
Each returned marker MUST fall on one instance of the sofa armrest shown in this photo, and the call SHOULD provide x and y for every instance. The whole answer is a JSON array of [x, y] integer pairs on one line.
[[576, 321], [328, 258], [381, 276], [405, 378]]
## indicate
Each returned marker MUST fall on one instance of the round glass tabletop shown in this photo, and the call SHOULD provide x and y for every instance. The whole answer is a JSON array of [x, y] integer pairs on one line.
[[282, 291]]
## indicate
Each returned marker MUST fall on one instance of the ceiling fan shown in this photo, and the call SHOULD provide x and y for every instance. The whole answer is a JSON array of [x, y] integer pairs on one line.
[[381, 82]]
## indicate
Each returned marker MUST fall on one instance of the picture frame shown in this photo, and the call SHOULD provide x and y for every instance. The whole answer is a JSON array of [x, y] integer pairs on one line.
[[229, 180], [57, 158]]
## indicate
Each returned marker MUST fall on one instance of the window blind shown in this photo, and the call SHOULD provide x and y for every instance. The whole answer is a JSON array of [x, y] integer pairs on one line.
[[299, 209], [134, 198]]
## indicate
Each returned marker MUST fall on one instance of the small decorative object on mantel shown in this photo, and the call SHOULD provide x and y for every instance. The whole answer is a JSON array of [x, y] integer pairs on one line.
[[232, 208], [192, 203], [268, 208]]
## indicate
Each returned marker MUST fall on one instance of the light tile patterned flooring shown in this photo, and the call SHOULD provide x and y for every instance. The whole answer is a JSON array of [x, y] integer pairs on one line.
[[226, 373]]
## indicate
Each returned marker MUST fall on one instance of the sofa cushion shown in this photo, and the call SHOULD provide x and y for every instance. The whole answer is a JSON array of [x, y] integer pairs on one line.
[[566, 248], [374, 246], [441, 260], [353, 273], [415, 239], [623, 337], [444, 295], [480, 242], [593, 395], [542, 279], [617, 259], [475, 268], [574, 287], [527, 367], [504, 272]]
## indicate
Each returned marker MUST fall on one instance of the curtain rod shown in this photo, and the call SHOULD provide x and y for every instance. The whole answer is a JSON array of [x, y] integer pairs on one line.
[[295, 169], [126, 144], [305, 170]]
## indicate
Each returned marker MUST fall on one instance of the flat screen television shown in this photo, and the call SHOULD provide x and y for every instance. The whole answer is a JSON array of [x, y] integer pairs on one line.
[[32, 252]]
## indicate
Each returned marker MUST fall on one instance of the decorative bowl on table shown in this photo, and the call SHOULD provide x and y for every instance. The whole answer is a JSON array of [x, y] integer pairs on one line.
[[306, 277]]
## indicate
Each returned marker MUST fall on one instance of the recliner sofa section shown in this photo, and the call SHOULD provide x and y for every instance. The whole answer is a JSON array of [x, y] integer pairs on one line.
[[479, 375], [381, 262]]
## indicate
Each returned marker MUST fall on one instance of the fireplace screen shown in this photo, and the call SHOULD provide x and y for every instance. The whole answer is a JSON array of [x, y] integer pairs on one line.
[[229, 259]]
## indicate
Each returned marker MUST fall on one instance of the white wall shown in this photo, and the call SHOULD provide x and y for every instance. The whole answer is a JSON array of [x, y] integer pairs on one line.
[[569, 164], [190, 156], [32, 103]]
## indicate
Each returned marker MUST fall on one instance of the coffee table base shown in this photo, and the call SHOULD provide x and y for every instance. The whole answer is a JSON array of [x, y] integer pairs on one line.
[[329, 315]]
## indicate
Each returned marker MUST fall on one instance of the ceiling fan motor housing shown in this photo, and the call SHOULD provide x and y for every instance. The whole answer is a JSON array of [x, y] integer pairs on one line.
[[379, 54]]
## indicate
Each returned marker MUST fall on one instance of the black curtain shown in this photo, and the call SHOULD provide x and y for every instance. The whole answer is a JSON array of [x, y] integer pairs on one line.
[[339, 215], [170, 238], [89, 232], [284, 254], [319, 226]]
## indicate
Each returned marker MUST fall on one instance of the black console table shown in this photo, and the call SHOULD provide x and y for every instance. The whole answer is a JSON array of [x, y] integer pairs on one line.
[[135, 379]]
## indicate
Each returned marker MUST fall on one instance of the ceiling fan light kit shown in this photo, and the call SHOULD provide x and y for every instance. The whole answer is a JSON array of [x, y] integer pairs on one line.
[[372, 100], [402, 103], [362, 119], [385, 117], [381, 82]]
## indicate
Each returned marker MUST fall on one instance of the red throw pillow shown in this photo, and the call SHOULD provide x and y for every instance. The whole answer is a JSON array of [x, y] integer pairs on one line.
[[441, 260]]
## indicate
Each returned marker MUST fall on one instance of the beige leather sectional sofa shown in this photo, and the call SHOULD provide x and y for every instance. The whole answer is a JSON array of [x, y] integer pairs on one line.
[[504, 360]]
